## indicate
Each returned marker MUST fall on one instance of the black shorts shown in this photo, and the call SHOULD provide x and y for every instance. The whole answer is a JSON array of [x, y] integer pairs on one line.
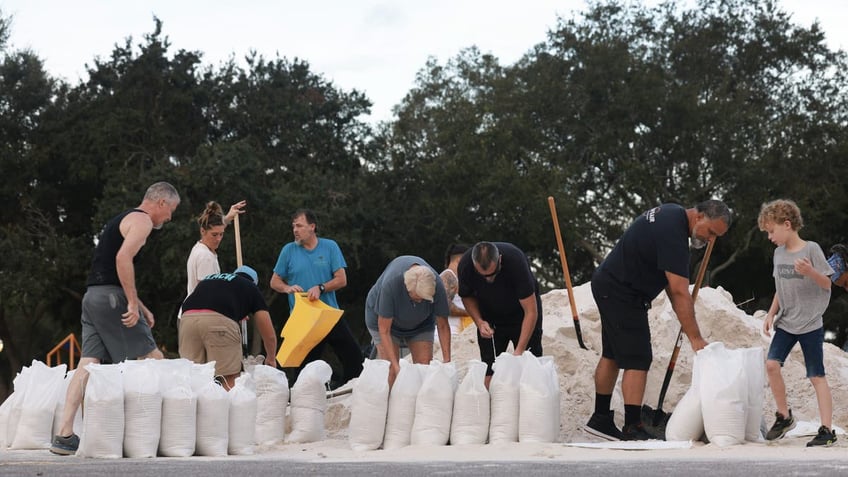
[[625, 332]]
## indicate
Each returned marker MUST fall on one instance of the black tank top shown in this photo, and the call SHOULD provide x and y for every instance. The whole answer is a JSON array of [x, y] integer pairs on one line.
[[103, 268]]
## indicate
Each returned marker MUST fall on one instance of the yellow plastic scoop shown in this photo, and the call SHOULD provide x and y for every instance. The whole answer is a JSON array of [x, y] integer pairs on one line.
[[308, 324]]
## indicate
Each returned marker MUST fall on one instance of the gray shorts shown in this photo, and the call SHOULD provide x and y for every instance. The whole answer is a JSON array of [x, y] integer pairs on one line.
[[103, 335], [426, 335]]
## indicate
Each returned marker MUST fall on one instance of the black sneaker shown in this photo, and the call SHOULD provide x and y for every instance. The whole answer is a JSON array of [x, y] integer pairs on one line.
[[826, 437], [635, 432], [603, 426], [65, 445], [781, 426]]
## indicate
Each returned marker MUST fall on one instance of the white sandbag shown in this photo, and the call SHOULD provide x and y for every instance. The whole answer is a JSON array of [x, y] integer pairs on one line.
[[242, 417], [60, 407], [434, 406], [142, 408], [686, 422], [19, 384], [179, 408], [5, 411], [213, 420], [35, 425], [103, 422], [369, 407], [471, 406], [755, 373], [538, 417], [309, 402], [200, 375], [401, 410], [272, 398], [504, 389], [723, 388]]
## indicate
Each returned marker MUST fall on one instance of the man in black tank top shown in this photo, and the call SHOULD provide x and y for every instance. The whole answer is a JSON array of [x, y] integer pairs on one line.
[[112, 326]]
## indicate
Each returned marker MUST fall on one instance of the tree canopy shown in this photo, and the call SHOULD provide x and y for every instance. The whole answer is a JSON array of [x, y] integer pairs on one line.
[[621, 108]]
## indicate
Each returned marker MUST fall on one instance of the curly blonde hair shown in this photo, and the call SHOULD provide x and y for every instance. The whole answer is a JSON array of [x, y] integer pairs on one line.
[[779, 211]]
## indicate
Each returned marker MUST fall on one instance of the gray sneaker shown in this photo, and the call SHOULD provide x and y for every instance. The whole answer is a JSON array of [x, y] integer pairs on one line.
[[781, 426], [65, 445]]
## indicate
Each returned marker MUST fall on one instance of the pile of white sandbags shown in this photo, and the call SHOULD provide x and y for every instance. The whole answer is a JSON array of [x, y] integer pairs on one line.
[[150, 407], [427, 406], [725, 400]]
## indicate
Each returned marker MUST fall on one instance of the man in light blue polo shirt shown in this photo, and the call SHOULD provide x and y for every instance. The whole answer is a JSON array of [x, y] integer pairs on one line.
[[316, 266]]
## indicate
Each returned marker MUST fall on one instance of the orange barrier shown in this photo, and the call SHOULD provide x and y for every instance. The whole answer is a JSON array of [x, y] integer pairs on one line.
[[72, 345]]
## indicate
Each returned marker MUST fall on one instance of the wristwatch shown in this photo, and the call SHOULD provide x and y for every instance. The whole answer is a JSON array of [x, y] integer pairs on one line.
[[321, 287]]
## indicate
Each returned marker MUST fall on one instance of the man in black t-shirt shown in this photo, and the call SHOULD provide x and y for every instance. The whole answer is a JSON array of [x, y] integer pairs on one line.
[[209, 328], [501, 295], [652, 255]]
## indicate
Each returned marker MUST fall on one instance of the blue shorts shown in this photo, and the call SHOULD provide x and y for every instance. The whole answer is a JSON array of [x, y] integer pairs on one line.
[[811, 345]]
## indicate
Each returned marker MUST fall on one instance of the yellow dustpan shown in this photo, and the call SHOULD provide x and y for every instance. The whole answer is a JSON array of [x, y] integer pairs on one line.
[[309, 323]]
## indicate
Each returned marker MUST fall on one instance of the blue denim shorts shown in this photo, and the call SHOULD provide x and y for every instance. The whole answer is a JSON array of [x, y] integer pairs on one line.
[[811, 345]]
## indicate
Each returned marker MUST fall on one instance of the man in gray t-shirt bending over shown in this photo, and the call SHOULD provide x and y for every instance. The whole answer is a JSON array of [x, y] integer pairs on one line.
[[406, 304]]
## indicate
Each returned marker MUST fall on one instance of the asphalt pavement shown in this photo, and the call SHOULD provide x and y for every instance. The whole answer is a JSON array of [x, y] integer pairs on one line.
[[44, 464]]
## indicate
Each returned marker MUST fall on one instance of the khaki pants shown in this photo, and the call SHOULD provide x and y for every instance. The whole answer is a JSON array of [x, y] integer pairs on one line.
[[210, 336]]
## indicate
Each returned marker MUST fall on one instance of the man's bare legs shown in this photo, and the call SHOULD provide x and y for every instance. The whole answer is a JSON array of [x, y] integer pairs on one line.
[[76, 391], [73, 399]]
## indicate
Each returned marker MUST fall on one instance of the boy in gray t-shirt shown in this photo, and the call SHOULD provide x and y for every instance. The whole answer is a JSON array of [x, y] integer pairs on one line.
[[802, 281]]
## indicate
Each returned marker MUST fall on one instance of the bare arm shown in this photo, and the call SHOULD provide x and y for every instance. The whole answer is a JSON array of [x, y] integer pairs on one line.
[[472, 307], [281, 286], [528, 324], [455, 310], [338, 282], [135, 228], [684, 307], [269, 336], [805, 267], [772, 311], [235, 209], [444, 337], [387, 348]]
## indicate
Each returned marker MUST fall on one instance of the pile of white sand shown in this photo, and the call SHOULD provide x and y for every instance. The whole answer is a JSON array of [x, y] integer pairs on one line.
[[719, 320]]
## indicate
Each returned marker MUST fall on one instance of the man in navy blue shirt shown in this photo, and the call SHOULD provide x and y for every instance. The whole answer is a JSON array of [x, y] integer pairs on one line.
[[652, 255]]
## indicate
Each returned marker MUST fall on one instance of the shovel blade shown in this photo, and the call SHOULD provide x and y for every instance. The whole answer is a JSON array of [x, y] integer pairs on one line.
[[655, 421]]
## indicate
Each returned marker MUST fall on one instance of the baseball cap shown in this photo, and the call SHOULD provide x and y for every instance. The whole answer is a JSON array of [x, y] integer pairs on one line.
[[249, 272]]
